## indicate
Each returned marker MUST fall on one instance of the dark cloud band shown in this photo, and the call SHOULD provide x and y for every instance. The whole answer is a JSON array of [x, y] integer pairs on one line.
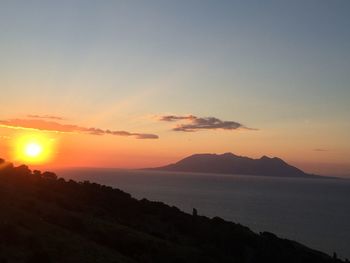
[[195, 123], [43, 125]]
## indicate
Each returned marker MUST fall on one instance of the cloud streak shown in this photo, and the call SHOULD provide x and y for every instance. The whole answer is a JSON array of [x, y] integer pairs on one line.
[[53, 126], [52, 117], [194, 123], [177, 118], [320, 150]]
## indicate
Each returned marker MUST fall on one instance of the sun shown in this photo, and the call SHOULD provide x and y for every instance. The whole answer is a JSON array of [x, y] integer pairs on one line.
[[33, 149]]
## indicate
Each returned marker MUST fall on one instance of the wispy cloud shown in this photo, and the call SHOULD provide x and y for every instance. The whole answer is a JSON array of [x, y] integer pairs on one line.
[[177, 118], [194, 123], [53, 126], [320, 150], [52, 117]]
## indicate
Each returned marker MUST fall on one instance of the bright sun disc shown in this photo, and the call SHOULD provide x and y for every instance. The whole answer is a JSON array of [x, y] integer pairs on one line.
[[33, 149]]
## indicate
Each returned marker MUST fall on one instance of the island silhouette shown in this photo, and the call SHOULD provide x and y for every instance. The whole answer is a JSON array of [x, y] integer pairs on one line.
[[229, 163], [44, 218]]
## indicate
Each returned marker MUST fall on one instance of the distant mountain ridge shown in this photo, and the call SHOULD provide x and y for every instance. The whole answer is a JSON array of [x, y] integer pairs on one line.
[[229, 163]]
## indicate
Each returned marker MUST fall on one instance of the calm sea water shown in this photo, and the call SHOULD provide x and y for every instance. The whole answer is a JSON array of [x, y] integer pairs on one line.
[[315, 212]]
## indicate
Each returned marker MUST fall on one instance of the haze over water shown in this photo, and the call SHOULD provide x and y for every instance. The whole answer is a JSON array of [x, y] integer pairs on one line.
[[315, 212]]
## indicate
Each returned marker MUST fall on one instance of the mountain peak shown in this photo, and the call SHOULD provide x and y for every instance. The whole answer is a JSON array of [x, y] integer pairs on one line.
[[274, 159], [228, 154]]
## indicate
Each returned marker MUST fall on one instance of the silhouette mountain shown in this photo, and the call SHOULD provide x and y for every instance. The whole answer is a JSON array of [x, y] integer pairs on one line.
[[229, 163], [46, 219]]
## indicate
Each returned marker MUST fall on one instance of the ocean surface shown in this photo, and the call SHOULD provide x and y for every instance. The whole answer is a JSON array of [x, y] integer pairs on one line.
[[315, 212]]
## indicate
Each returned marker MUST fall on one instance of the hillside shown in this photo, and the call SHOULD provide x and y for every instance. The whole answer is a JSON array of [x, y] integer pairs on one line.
[[48, 219], [228, 163]]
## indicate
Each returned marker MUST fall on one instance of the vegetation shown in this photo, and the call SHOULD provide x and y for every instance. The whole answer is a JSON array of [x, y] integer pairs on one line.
[[48, 219]]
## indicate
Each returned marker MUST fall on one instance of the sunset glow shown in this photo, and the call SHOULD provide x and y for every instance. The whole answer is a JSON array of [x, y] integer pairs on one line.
[[147, 84], [33, 149], [163, 131]]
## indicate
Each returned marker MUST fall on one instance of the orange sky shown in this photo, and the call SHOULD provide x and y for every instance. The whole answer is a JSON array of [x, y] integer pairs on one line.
[[81, 149], [119, 84]]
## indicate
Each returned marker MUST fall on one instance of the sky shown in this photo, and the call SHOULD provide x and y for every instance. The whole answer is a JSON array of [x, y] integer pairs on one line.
[[135, 84]]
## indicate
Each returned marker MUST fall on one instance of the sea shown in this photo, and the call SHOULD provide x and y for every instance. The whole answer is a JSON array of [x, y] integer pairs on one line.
[[314, 212]]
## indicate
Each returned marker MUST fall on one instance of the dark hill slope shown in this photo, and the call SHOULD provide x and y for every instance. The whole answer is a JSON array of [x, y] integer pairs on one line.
[[229, 163], [45, 219]]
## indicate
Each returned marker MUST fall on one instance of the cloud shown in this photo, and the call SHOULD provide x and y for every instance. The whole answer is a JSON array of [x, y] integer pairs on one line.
[[52, 117], [320, 150], [195, 123], [176, 118], [137, 135], [52, 126]]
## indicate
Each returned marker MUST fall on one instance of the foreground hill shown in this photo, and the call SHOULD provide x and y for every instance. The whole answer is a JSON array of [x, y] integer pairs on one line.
[[46, 219], [228, 163]]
